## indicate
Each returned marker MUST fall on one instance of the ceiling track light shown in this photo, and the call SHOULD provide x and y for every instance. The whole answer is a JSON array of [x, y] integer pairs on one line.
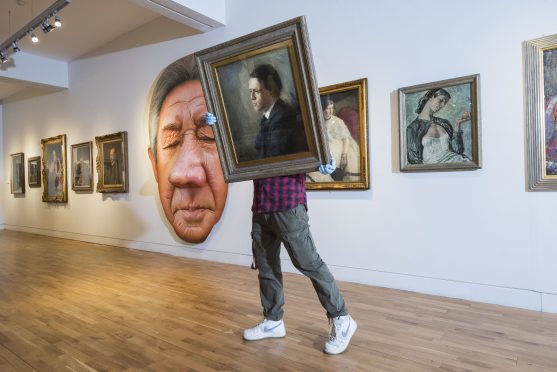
[[46, 26], [57, 20], [15, 48], [41, 21]]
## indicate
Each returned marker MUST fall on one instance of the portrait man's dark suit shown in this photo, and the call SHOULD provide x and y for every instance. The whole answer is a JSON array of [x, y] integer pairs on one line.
[[282, 133]]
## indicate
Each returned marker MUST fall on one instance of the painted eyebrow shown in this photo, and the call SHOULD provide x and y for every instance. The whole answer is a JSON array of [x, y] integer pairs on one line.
[[171, 127]]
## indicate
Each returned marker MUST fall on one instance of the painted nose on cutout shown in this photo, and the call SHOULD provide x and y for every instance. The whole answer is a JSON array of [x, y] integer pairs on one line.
[[188, 168]]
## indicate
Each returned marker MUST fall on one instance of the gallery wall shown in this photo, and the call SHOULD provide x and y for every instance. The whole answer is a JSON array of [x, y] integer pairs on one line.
[[472, 234], [3, 180]]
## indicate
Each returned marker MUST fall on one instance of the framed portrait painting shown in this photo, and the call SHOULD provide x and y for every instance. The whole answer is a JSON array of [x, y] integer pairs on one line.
[[440, 125], [55, 187], [540, 96], [34, 171], [344, 109], [17, 174], [262, 89], [112, 162], [82, 171]]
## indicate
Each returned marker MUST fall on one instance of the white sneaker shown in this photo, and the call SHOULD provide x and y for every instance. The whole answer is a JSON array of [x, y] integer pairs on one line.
[[342, 330], [266, 329]]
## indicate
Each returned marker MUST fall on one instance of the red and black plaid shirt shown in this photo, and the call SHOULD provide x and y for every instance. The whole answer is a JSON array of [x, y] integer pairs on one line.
[[278, 194]]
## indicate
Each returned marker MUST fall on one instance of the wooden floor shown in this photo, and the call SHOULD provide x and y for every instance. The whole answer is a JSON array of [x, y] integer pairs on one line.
[[73, 306]]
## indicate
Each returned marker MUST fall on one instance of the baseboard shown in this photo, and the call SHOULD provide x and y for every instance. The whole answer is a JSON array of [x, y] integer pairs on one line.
[[2, 226], [498, 295]]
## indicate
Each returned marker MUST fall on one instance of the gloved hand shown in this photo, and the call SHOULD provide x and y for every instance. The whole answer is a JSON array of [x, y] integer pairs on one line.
[[328, 168], [210, 119]]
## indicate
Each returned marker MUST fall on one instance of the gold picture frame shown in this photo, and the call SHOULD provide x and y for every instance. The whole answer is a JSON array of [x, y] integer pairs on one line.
[[82, 166], [540, 99], [34, 171], [112, 163], [17, 174], [344, 107], [55, 186], [249, 146], [440, 125]]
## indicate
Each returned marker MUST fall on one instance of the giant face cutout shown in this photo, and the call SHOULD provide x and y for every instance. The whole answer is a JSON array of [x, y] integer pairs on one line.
[[186, 164]]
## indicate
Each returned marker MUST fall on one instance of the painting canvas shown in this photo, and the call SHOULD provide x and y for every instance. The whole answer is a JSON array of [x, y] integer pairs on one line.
[[440, 125], [540, 95], [262, 89], [82, 171], [112, 163], [34, 171], [55, 188], [344, 108], [17, 174]]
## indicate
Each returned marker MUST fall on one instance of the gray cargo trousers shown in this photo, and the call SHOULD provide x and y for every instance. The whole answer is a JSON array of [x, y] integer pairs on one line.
[[292, 229]]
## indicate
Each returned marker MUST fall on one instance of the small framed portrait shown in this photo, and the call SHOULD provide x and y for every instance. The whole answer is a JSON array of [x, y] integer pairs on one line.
[[440, 125], [82, 171], [55, 187], [540, 96], [112, 163], [344, 109], [34, 171], [17, 174], [262, 89]]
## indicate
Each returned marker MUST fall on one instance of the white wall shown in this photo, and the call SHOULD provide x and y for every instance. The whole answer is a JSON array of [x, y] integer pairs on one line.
[[476, 235], [2, 175]]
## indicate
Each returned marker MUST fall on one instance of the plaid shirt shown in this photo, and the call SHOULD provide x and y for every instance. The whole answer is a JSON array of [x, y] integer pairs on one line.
[[278, 194]]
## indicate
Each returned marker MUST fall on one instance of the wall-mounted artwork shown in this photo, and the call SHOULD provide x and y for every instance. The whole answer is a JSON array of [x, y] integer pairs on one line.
[[55, 187], [183, 153], [112, 162], [344, 108], [540, 96], [34, 171], [82, 170], [440, 125], [262, 89], [17, 174]]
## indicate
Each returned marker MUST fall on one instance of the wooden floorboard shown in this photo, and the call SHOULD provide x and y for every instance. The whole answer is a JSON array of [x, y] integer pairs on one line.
[[71, 306]]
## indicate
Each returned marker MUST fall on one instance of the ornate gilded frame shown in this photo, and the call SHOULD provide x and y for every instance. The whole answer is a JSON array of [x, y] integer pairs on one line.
[[465, 99], [17, 173], [55, 186], [225, 70], [108, 181], [82, 166], [350, 101], [540, 100], [34, 171]]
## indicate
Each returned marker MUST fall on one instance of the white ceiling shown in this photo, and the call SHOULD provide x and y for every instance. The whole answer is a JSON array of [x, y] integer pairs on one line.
[[88, 27]]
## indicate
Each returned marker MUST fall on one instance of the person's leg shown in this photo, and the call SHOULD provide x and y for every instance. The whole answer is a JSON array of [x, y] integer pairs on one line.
[[296, 237], [266, 252]]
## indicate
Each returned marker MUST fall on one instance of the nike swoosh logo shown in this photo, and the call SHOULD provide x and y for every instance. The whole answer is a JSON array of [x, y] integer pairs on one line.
[[347, 328], [270, 329]]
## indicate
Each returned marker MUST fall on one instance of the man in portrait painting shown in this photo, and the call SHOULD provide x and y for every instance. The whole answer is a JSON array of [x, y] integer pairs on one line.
[[281, 131], [112, 169]]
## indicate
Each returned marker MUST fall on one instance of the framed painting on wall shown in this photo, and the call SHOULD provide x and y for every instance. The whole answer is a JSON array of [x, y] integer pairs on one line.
[[262, 89], [112, 163], [540, 96], [55, 187], [440, 125], [17, 174], [344, 108], [82, 171], [34, 171]]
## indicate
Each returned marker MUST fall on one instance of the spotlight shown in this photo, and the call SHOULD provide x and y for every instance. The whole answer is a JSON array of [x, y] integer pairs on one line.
[[46, 27], [34, 38], [2, 58], [15, 48], [57, 21]]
